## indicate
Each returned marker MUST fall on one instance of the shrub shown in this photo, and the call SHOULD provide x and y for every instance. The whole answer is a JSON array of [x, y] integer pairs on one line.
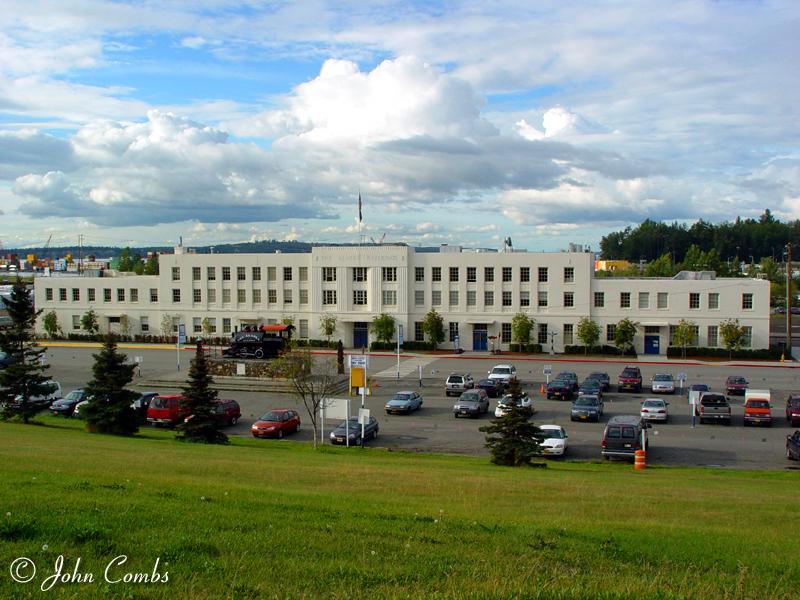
[[771, 353]]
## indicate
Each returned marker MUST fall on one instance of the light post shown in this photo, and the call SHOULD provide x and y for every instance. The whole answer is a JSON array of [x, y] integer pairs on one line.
[[552, 335]]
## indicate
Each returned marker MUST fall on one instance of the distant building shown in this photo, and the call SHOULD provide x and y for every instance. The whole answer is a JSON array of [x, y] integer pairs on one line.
[[611, 265]]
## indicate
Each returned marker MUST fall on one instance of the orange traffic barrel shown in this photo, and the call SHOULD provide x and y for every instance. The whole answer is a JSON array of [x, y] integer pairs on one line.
[[639, 461]]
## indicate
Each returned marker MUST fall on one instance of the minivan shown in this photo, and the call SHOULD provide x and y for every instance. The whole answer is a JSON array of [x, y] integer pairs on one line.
[[623, 436], [167, 410]]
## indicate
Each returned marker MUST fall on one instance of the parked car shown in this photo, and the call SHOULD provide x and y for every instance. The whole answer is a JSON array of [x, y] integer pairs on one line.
[[757, 408], [42, 401], [714, 407], [623, 436], [560, 389], [493, 387], [352, 428], [5, 360], [552, 440], [654, 409], [66, 406], [587, 408], [276, 423], [603, 378], [404, 403], [471, 403], [590, 387], [793, 446], [699, 387], [571, 377], [504, 373], [226, 412], [167, 410], [140, 405], [662, 383], [630, 379], [793, 409], [735, 385], [457, 383], [505, 403]]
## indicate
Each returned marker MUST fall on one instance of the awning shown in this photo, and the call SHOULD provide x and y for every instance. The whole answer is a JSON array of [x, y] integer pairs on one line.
[[654, 324], [480, 322]]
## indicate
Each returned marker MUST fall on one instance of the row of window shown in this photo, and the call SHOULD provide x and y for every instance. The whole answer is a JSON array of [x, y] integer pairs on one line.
[[662, 300], [506, 273], [91, 294], [241, 273]]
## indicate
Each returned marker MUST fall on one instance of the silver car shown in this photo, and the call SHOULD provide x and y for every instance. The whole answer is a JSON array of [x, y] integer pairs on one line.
[[472, 403], [662, 383], [457, 383]]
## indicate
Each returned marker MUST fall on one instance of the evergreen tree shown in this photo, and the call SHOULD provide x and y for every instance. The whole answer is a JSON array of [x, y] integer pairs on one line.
[[202, 425], [151, 266], [109, 408], [25, 377], [513, 438]]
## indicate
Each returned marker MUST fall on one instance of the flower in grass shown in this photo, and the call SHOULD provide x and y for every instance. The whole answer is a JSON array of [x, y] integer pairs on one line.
[[436, 520], [8, 514], [45, 547], [373, 553]]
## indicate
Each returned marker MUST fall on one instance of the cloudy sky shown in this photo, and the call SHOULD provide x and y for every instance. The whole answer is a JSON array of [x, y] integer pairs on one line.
[[136, 122]]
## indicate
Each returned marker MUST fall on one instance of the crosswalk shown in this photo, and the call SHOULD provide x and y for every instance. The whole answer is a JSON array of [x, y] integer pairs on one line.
[[407, 367]]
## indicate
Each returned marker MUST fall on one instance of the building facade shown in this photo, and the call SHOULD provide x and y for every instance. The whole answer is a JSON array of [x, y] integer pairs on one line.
[[476, 292]]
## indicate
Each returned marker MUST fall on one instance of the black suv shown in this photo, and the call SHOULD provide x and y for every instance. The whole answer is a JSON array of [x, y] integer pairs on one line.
[[624, 435]]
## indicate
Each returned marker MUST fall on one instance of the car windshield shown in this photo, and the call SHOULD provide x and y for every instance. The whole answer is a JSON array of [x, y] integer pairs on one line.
[[653, 404], [159, 402], [353, 423], [272, 415], [630, 373], [600, 376], [587, 401], [501, 371], [469, 397], [662, 377], [402, 396], [737, 380], [551, 434], [74, 395]]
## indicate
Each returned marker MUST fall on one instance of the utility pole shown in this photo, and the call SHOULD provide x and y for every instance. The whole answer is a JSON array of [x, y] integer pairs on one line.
[[789, 299], [80, 254]]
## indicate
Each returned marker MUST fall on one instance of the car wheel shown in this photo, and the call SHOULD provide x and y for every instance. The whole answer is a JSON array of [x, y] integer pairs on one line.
[[297, 428], [375, 434], [280, 434], [234, 420], [788, 454]]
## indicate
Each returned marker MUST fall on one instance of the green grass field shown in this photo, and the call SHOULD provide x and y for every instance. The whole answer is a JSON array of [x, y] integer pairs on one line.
[[261, 519]]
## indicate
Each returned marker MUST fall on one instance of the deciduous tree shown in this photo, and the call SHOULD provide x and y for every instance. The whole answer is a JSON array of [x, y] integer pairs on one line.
[[89, 322], [382, 327], [732, 335], [521, 328], [624, 333], [433, 328], [588, 333], [50, 324], [684, 335], [327, 326]]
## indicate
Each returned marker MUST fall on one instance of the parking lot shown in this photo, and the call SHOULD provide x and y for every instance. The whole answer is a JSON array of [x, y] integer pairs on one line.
[[434, 428]]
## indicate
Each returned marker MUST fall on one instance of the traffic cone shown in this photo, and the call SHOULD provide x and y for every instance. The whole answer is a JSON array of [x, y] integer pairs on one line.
[[541, 389]]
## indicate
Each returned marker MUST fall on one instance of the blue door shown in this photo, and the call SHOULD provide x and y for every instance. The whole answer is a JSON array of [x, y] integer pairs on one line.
[[360, 335], [652, 344], [480, 339]]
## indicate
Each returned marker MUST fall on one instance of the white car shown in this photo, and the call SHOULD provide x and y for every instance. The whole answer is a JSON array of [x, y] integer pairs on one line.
[[45, 400], [505, 373], [504, 404], [553, 440], [662, 383], [654, 409]]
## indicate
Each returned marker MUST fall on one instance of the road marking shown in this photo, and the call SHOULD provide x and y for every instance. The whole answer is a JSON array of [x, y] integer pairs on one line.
[[407, 367]]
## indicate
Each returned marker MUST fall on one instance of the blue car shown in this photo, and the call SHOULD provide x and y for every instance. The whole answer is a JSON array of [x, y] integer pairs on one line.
[[404, 403], [587, 408]]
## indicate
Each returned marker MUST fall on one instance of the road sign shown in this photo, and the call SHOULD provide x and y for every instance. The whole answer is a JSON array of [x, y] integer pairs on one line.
[[358, 361], [681, 376], [548, 369], [181, 333], [400, 334], [363, 416], [336, 408]]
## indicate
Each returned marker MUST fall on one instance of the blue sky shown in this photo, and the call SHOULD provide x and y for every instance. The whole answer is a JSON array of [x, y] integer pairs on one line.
[[135, 123]]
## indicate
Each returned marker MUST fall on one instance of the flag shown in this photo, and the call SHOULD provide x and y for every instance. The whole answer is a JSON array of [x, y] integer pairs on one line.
[[359, 207]]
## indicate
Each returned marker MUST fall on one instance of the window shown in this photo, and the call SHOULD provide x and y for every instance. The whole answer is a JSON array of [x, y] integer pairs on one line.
[[212, 325], [624, 299], [287, 273], [506, 298], [389, 297], [76, 322], [106, 295], [436, 274], [48, 294], [287, 296], [472, 298], [747, 338], [644, 299], [488, 298], [662, 300], [226, 296], [747, 301], [240, 273], [144, 323], [211, 295], [436, 298], [175, 323], [569, 299], [120, 295], [360, 297], [453, 297], [153, 295], [694, 300], [197, 325], [488, 274], [256, 296], [272, 273], [568, 334], [524, 274], [542, 300], [76, 294], [302, 273], [195, 273], [389, 273], [92, 295], [505, 333], [176, 295], [226, 325], [256, 273], [241, 296], [211, 273], [176, 273], [599, 299], [453, 330], [419, 273], [543, 335], [328, 296], [328, 273], [453, 273], [226, 273], [272, 296], [419, 334], [62, 294], [542, 274], [303, 332], [134, 293], [713, 301], [197, 296], [506, 274], [611, 331], [419, 297], [359, 273], [569, 274], [303, 296], [472, 274]]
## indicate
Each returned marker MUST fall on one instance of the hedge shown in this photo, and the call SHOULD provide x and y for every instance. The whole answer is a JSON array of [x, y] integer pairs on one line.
[[529, 348], [771, 353], [605, 349]]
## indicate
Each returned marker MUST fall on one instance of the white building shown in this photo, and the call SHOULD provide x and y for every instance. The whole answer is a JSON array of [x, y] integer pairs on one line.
[[476, 292]]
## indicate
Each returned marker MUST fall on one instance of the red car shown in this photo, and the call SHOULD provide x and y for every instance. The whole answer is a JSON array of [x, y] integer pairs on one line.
[[276, 423], [167, 410], [793, 410]]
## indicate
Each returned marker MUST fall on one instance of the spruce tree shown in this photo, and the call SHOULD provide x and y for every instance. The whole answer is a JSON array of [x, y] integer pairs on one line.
[[512, 439], [25, 377], [202, 426], [109, 409]]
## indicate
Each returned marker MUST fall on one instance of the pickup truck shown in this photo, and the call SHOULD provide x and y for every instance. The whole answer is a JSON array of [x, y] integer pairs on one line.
[[714, 407], [630, 379], [757, 407]]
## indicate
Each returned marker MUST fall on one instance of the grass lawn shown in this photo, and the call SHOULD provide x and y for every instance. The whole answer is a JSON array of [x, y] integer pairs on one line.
[[261, 519]]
